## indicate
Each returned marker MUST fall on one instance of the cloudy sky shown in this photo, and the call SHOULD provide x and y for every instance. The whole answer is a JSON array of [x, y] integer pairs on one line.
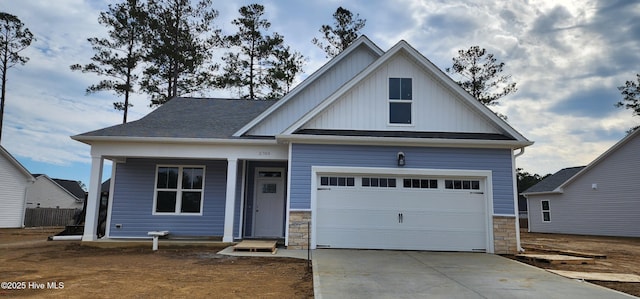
[[566, 56]]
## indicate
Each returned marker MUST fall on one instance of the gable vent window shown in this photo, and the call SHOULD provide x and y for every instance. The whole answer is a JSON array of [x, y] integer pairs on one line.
[[400, 98]]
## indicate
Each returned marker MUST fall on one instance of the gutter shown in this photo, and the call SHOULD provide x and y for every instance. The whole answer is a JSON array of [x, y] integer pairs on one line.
[[370, 140], [89, 139]]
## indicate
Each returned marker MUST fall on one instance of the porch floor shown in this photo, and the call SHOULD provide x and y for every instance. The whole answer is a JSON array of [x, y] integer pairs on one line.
[[256, 245]]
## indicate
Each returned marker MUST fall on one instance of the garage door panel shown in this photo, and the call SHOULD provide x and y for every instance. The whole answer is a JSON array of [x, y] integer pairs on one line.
[[401, 218], [443, 240], [351, 217]]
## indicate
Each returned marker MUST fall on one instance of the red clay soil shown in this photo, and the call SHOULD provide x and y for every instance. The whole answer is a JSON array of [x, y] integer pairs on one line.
[[34, 267]]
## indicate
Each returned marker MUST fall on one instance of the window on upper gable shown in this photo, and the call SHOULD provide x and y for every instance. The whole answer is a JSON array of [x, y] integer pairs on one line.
[[400, 100]]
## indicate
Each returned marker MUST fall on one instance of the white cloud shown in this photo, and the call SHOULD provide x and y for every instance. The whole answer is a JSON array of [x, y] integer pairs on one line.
[[564, 55]]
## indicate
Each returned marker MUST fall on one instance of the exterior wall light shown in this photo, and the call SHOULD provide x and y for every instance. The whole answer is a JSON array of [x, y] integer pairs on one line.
[[401, 160]]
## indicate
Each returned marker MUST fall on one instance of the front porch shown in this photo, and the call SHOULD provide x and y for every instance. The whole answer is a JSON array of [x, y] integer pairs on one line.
[[230, 198]]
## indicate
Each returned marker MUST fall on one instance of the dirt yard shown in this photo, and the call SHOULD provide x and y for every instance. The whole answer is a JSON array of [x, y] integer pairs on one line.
[[622, 255], [35, 267]]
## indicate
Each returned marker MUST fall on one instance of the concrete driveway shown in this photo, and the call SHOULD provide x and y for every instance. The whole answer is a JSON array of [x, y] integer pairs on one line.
[[415, 274]]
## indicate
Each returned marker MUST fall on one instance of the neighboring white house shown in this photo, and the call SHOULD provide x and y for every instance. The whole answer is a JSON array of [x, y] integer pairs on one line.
[[54, 193], [14, 181], [602, 198]]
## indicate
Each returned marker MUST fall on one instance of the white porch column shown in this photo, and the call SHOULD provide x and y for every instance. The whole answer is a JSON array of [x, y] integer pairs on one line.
[[93, 200], [229, 207]]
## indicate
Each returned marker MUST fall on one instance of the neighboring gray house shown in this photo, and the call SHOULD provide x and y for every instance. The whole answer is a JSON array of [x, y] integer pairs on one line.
[[54, 193], [14, 181], [376, 150], [602, 198]]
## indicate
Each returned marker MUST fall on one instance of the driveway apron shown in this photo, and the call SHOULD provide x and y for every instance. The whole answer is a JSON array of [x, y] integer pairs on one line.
[[417, 274]]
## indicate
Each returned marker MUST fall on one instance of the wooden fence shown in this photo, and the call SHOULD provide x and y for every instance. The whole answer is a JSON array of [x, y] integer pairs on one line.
[[48, 217]]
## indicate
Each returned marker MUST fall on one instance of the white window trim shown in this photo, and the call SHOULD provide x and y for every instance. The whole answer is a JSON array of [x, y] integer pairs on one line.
[[389, 101], [547, 211], [178, 190]]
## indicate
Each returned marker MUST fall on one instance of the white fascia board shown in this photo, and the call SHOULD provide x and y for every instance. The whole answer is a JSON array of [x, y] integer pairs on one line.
[[362, 40], [115, 150], [435, 142], [172, 140], [17, 164], [554, 192], [447, 81], [433, 69]]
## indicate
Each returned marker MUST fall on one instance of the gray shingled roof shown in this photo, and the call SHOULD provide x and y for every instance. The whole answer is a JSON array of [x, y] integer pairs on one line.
[[554, 181], [71, 186], [190, 118]]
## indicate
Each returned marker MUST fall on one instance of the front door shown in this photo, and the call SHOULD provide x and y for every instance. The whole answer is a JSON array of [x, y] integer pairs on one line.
[[269, 202]]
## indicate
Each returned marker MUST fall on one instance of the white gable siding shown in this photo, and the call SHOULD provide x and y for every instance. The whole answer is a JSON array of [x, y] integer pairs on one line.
[[308, 98], [13, 184], [611, 209], [435, 108], [50, 195]]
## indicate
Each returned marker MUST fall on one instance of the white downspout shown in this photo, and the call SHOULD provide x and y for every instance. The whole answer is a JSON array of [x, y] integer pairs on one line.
[[515, 192]]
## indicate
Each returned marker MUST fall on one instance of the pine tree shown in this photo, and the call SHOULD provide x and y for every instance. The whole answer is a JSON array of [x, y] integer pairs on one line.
[[346, 28], [285, 66], [248, 69], [631, 98], [14, 38], [480, 75], [118, 56], [179, 47]]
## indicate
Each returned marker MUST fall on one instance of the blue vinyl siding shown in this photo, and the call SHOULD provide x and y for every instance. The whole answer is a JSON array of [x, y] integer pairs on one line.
[[304, 156], [132, 205]]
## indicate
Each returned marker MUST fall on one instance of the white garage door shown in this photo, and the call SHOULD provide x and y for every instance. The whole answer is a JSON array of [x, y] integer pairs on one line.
[[401, 212]]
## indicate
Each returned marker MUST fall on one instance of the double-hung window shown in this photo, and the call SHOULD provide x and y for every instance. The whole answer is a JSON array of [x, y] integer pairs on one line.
[[546, 211], [400, 98], [179, 190]]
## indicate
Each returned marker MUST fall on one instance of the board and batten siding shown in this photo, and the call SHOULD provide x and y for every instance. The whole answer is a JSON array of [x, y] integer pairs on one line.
[[132, 205], [435, 107], [498, 161], [313, 94], [612, 209], [13, 184]]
